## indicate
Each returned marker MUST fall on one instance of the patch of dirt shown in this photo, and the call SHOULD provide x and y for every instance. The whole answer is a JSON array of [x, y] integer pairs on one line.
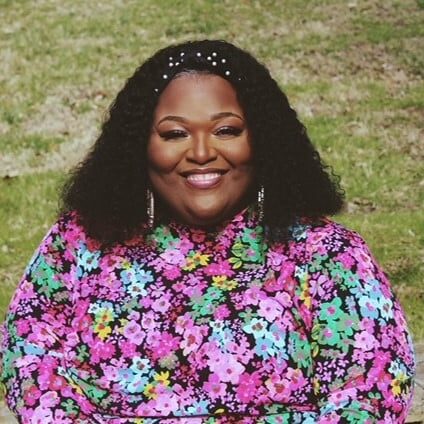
[[58, 115]]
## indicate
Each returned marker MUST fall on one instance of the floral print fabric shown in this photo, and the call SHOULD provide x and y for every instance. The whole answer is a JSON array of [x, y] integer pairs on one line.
[[189, 326]]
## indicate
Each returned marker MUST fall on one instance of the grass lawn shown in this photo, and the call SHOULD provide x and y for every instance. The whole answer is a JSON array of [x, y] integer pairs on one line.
[[353, 71]]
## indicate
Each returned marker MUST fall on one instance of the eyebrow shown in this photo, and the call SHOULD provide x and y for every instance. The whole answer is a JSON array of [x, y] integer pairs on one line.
[[214, 117]]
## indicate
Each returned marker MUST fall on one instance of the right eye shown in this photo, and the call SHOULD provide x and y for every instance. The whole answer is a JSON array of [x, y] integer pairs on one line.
[[173, 134]]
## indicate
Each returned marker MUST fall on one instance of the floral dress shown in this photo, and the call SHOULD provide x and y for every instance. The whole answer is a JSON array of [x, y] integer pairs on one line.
[[188, 326]]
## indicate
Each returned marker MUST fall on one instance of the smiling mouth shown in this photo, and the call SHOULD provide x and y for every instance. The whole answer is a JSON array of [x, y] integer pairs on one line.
[[204, 180]]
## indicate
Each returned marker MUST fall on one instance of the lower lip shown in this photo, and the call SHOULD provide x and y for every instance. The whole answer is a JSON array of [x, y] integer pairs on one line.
[[204, 184]]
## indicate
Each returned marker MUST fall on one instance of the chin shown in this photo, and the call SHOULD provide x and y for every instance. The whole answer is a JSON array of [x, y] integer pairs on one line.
[[204, 217]]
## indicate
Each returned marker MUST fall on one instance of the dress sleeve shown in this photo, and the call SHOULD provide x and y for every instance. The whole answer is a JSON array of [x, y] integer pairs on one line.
[[362, 351], [36, 325]]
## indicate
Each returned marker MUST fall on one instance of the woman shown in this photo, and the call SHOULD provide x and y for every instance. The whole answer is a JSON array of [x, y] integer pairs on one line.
[[193, 276]]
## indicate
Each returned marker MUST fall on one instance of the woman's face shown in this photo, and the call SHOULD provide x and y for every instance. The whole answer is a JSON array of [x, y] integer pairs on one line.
[[199, 153]]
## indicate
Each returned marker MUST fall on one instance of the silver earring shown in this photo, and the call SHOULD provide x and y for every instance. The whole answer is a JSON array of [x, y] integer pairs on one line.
[[150, 208], [261, 198]]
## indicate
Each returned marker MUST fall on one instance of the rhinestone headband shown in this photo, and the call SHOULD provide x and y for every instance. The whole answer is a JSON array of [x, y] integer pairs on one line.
[[210, 60]]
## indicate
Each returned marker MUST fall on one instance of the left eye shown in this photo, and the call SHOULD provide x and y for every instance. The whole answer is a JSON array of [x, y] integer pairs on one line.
[[228, 131]]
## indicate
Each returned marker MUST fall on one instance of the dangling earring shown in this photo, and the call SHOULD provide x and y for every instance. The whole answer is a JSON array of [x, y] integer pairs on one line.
[[261, 199], [150, 208]]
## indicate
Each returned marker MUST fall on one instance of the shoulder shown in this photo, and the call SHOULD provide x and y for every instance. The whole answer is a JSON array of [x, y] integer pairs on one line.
[[67, 233], [325, 236]]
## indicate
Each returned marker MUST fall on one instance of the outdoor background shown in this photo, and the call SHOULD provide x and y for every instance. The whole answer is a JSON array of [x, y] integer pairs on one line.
[[352, 69]]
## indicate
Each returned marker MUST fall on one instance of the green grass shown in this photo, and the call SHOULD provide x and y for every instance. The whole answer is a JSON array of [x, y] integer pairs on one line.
[[352, 70]]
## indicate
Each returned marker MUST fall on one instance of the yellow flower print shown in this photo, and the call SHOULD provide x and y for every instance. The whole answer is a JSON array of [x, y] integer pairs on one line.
[[396, 383], [125, 264], [196, 259], [75, 386], [305, 294], [163, 378], [307, 299], [104, 315], [317, 386], [150, 391], [221, 282], [102, 330], [123, 322]]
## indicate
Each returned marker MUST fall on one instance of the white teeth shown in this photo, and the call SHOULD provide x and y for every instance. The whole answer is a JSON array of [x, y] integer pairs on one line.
[[203, 177]]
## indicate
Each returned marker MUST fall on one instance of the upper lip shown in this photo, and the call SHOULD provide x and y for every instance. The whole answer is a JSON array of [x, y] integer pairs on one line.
[[203, 171]]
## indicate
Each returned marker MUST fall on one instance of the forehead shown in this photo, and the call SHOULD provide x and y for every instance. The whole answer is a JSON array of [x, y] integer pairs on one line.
[[198, 95]]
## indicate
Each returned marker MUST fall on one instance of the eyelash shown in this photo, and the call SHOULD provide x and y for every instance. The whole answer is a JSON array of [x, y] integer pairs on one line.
[[229, 131], [222, 131], [169, 135]]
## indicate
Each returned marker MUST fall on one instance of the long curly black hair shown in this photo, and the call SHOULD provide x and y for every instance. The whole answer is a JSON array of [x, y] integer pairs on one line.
[[108, 189]]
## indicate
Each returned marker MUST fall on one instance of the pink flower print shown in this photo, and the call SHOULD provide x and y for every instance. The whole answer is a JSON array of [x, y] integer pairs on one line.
[[278, 388], [133, 332], [252, 295], [22, 326], [56, 382], [41, 416], [166, 403], [183, 323], [146, 302], [346, 259], [221, 312], [221, 268], [72, 340], [172, 273], [26, 293], [148, 320], [61, 418], [192, 339], [365, 341], [295, 378], [128, 349], [49, 399], [167, 345], [111, 373], [198, 236], [333, 418], [101, 351], [31, 395], [341, 396], [146, 409], [284, 299], [269, 309], [173, 257], [45, 368], [275, 259], [134, 315], [83, 323], [214, 387], [28, 362], [41, 333], [153, 338], [161, 305], [184, 245], [246, 389], [367, 324], [226, 367], [274, 285]]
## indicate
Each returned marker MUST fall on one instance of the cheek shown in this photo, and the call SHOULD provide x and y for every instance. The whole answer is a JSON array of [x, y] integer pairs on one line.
[[162, 158], [240, 156]]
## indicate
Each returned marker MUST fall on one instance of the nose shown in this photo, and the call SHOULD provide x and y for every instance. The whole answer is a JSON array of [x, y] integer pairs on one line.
[[201, 150]]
